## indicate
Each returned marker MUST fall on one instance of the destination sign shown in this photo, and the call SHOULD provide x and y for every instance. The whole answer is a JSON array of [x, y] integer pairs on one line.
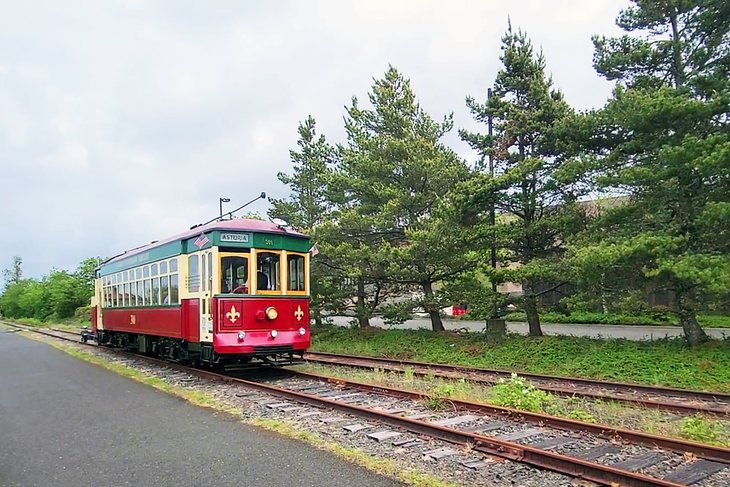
[[234, 237]]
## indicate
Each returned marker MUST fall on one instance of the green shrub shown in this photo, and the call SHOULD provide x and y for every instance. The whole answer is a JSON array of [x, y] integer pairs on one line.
[[82, 312], [438, 397], [517, 393], [654, 317]]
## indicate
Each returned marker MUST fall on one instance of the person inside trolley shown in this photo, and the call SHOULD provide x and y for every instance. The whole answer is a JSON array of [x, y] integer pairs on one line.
[[262, 280], [267, 274]]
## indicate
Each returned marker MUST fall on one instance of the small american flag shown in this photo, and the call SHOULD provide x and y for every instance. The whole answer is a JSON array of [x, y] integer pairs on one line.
[[201, 241], [314, 250]]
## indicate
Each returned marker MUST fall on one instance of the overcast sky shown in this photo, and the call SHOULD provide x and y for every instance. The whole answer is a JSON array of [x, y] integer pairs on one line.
[[123, 122]]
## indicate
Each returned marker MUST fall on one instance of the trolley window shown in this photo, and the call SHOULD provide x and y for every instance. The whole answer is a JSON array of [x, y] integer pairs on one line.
[[165, 288], [156, 290], [268, 271], [133, 294], [234, 275], [295, 272], [193, 274], [173, 289]]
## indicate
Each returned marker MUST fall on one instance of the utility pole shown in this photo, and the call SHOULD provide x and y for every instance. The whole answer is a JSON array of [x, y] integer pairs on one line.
[[491, 173], [220, 204]]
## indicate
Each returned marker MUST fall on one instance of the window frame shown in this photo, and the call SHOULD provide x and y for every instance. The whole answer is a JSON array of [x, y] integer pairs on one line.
[[221, 272], [305, 263], [254, 265]]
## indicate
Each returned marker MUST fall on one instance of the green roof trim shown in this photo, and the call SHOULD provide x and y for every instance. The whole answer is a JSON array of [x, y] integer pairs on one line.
[[280, 242], [216, 238], [155, 253]]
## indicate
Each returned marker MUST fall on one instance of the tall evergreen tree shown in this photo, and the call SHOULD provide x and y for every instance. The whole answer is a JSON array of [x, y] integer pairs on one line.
[[308, 207], [395, 171], [530, 188], [664, 140], [678, 43]]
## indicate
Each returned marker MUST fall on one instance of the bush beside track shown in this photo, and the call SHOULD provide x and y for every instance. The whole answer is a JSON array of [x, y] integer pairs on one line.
[[664, 362]]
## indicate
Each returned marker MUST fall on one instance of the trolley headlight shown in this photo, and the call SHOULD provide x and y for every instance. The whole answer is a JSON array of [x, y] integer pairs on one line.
[[273, 333], [241, 335], [302, 331], [271, 313]]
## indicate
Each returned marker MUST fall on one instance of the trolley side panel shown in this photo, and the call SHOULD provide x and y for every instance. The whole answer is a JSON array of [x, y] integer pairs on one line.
[[165, 321], [191, 320]]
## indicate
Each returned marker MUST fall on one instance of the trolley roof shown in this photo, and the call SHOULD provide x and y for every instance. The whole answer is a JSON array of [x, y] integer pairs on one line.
[[241, 232]]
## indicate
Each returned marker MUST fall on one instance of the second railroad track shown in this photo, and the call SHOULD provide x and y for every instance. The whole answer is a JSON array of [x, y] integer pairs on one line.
[[655, 397]]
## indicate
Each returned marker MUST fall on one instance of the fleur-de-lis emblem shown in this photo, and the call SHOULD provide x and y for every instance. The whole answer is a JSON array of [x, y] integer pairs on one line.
[[299, 313], [233, 314]]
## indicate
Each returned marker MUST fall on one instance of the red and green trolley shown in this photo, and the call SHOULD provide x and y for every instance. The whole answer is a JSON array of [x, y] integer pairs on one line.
[[231, 291]]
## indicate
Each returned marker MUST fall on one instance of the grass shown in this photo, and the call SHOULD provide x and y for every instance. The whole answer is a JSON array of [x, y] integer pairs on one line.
[[665, 362], [583, 317]]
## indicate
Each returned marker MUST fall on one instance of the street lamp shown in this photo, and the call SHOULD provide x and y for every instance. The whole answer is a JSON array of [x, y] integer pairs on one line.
[[220, 203]]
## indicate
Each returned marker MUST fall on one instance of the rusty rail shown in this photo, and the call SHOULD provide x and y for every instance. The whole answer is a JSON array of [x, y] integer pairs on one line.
[[708, 452], [458, 371]]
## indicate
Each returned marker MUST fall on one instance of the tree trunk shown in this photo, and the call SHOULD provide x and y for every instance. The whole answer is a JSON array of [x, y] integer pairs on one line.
[[317, 318], [693, 332], [431, 307], [363, 317], [533, 319]]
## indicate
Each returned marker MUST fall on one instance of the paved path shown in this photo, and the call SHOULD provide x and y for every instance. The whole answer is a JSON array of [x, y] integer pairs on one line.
[[66, 423], [587, 330]]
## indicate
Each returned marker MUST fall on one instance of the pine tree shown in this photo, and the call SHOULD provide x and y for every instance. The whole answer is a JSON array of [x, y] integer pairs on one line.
[[530, 188], [394, 174], [678, 43], [664, 140], [308, 207]]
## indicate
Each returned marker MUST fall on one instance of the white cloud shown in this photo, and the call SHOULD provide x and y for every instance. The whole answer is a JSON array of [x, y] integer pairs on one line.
[[124, 122]]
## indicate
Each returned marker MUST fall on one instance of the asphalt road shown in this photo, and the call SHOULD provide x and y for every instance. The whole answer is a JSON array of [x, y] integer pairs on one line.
[[64, 422], [632, 332]]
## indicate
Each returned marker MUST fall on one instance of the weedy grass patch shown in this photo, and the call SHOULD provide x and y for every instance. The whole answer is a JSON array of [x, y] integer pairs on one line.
[[704, 430], [663, 362], [518, 393]]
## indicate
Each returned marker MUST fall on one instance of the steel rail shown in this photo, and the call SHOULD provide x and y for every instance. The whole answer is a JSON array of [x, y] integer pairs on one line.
[[708, 452], [574, 467], [444, 371]]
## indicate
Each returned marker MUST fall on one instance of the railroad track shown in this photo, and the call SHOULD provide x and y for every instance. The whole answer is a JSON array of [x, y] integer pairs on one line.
[[400, 418], [664, 398]]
